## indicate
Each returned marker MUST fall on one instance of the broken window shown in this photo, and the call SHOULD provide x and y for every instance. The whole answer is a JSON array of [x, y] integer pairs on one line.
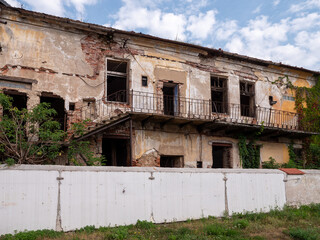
[[117, 80], [19, 100], [221, 157], [170, 99], [247, 95], [116, 151], [171, 161], [219, 95], [57, 104]]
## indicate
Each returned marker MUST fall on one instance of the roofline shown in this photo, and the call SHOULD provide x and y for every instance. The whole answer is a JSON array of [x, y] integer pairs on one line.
[[3, 2], [104, 30]]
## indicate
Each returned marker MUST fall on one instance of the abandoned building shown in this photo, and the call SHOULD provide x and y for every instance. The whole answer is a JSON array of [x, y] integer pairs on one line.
[[150, 101]]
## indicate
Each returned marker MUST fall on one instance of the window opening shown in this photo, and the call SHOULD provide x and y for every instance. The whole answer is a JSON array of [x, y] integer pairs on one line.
[[247, 95], [19, 100], [199, 164], [171, 161], [144, 81], [170, 99], [116, 80], [221, 157], [116, 151], [219, 95], [57, 104], [72, 106]]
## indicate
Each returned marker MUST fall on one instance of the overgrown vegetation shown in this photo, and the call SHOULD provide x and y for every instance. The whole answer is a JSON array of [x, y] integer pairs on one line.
[[289, 223], [307, 105], [34, 137], [249, 153], [29, 136]]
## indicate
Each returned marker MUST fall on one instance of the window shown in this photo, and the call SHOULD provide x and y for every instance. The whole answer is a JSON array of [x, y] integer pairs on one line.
[[247, 99], [170, 99], [117, 80], [171, 161], [144, 81], [57, 104], [219, 95], [221, 155]]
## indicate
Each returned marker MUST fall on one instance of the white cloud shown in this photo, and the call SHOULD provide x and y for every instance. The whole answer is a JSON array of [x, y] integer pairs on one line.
[[308, 4], [49, 7], [14, 3], [305, 22], [276, 2], [226, 29], [80, 5], [266, 40], [57, 7], [173, 25], [257, 9], [201, 26]]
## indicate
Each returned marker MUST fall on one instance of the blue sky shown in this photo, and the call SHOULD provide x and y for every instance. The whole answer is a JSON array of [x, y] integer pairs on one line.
[[286, 31]]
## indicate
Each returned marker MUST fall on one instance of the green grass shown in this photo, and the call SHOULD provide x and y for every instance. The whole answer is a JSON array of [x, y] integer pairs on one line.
[[289, 223]]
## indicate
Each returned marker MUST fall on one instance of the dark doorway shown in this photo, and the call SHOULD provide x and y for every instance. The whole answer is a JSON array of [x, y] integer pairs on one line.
[[116, 151], [57, 104], [19, 100], [170, 99], [221, 156], [171, 161]]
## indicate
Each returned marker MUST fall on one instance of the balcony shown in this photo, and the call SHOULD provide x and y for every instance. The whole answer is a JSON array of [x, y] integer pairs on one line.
[[173, 107]]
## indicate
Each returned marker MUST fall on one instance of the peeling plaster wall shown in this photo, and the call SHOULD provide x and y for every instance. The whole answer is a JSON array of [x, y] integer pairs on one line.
[[71, 64], [174, 142]]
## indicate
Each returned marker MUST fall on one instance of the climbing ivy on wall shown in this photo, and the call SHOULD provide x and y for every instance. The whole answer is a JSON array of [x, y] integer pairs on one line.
[[307, 105], [249, 153]]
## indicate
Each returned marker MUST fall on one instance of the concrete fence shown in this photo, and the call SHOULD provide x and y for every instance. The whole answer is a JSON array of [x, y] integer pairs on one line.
[[66, 198]]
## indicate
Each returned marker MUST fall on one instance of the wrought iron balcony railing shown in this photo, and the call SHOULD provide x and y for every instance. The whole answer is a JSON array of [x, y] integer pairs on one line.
[[187, 108]]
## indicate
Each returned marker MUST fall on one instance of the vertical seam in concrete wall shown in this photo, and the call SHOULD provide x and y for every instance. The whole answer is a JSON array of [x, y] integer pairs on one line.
[[225, 194], [58, 219]]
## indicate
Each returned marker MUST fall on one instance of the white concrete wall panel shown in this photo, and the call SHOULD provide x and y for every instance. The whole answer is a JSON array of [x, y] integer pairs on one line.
[[28, 200], [255, 192], [303, 189], [104, 198], [181, 196]]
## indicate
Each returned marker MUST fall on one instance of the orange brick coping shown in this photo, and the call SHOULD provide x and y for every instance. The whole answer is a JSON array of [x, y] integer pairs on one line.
[[292, 171]]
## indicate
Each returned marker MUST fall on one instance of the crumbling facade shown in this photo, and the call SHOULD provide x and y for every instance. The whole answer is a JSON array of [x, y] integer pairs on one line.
[[150, 101]]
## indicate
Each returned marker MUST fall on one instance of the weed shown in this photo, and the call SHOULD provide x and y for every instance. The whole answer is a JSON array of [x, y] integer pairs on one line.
[[87, 229], [119, 233], [10, 161], [241, 223], [219, 230], [303, 234], [32, 235], [144, 224]]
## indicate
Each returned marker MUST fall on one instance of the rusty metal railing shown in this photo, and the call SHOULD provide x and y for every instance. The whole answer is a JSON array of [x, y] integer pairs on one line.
[[188, 108]]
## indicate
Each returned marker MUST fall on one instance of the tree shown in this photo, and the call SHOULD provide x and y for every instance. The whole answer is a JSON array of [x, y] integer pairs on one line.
[[29, 136]]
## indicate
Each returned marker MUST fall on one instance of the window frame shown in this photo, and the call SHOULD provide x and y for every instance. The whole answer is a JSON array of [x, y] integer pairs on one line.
[[117, 74], [223, 89]]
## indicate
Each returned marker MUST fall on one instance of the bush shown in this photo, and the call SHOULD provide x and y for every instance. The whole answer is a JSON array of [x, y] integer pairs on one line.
[[271, 164]]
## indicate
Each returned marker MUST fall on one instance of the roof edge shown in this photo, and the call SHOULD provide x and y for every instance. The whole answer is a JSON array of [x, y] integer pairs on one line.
[[100, 29]]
